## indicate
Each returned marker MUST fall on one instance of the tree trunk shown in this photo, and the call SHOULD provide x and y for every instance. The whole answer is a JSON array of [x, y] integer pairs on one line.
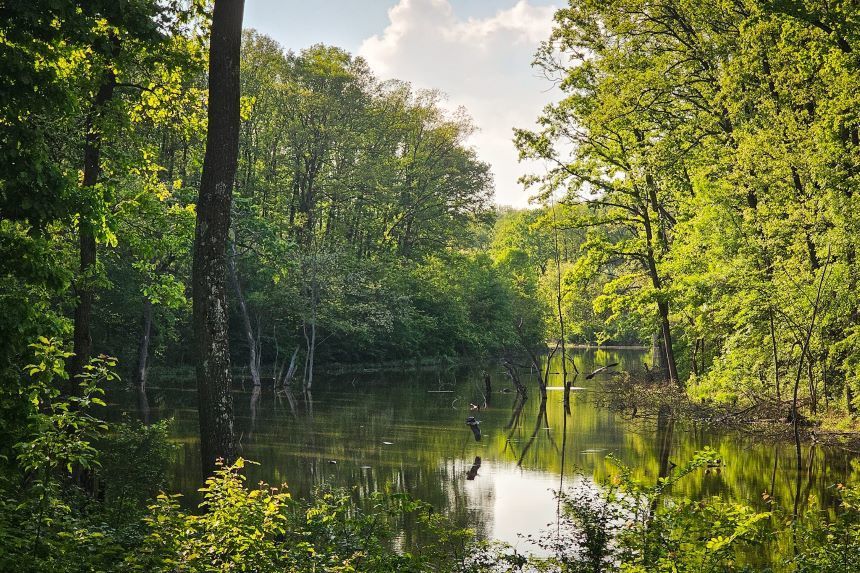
[[311, 339], [657, 283], [253, 344], [209, 272], [311, 343], [515, 379], [775, 351], [82, 339], [671, 365], [291, 370], [559, 296], [658, 357], [142, 366]]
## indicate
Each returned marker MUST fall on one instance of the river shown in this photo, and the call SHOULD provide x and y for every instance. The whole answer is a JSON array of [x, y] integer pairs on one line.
[[404, 430]]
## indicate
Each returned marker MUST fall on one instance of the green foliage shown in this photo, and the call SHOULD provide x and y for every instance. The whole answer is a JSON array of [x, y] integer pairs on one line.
[[134, 462], [60, 430], [703, 185], [631, 526], [681, 535], [708, 153], [264, 529], [357, 199], [523, 248], [830, 545], [56, 448]]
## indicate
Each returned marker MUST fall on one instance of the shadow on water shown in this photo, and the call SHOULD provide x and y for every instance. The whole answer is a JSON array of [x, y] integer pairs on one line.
[[403, 431]]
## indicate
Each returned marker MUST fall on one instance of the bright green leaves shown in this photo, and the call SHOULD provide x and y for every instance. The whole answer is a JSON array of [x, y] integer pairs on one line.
[[716, 151], [264, 529], [60, 431]]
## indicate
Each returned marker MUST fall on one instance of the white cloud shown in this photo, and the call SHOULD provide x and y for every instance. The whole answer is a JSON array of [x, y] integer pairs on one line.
[[482, 64]]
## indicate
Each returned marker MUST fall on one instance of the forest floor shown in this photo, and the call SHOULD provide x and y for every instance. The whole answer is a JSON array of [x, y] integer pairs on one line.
[[638, 397]]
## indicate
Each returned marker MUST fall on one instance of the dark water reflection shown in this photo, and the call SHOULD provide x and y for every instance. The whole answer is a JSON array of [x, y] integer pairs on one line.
[[405, 431]]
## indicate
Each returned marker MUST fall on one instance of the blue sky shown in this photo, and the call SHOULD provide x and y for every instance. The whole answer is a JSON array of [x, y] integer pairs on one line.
[[298, 24], [476, 51]]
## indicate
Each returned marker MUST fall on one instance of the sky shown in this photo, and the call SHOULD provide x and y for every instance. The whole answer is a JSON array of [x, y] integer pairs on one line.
[[478, 52]]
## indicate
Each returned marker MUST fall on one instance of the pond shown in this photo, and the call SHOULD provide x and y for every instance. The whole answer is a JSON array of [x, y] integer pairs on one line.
[[404, 430]]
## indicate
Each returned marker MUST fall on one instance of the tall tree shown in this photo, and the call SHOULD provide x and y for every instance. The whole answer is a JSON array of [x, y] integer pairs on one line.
[[209, 278], [86, 229]]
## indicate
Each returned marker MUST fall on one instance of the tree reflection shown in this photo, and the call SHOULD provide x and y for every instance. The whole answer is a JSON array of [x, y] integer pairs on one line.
[[541, 422], [431, 458], [665, 434], [143, 403], [255, 401]]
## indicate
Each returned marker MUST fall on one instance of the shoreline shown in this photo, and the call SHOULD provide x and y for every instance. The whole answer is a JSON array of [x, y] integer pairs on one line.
[[763, 420]]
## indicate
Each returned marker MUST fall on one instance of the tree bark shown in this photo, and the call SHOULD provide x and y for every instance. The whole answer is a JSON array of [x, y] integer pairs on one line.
[[209, 272], [515, 379], [662, 240], [559, 296], [311, 343]]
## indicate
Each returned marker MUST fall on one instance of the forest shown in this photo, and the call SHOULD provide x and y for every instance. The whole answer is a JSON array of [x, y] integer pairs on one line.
[[179, 193]]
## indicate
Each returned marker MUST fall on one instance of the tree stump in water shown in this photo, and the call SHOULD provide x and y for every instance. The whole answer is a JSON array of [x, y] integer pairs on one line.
[[474, 425], [473, 471]]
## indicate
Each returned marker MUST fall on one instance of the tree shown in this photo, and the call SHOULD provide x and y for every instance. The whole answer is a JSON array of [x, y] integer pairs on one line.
[[712, 152], [209, 272]]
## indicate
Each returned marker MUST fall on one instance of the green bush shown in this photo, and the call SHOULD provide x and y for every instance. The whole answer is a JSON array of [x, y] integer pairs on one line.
[[135, 459], [263, 529]]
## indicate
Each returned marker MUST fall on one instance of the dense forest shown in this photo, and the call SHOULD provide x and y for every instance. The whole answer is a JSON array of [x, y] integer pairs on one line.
[[177, 191]]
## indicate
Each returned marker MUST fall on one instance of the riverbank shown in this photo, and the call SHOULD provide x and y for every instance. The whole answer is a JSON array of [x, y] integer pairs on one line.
[[764, 420]]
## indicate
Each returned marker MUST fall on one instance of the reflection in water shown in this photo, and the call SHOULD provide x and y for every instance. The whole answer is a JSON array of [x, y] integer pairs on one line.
[[527, 447], [309, 404], [286, 392], [473, 471], [516, 412], [665, 433], [541, 421], [256, 392], [558, 512], [143, 403]]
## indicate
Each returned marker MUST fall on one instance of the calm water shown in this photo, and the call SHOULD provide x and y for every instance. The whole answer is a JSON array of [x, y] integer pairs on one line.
[[405, 431]]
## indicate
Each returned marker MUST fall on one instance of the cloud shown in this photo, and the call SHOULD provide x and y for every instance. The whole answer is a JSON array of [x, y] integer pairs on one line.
[[483, 64]]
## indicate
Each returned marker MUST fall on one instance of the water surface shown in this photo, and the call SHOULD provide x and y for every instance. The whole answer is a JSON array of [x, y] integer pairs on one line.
[[404, 430]]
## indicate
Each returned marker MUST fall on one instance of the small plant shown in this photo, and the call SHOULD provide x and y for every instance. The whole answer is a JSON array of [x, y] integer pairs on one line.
[[55, 453], [265, 530], [826, 545], [239, 529]]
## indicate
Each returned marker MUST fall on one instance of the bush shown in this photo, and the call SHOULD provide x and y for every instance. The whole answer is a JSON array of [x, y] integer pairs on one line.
[[264, 530], [135, 459]]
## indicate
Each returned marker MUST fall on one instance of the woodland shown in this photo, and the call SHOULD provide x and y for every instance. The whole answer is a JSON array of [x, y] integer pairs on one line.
[[179, 192]]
